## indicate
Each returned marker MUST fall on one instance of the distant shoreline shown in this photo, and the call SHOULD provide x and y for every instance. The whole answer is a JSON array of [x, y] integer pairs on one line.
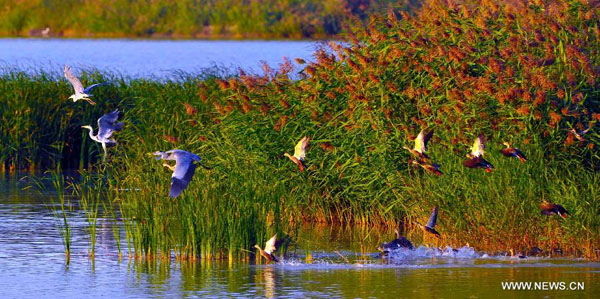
[[224, 37]]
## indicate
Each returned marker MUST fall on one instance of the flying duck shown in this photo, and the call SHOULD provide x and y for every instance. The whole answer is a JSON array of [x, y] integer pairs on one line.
[[267, 253], [299, 153], [510, 151]]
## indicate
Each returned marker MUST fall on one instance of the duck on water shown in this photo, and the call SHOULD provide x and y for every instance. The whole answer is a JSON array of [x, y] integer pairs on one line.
[[399, 242]]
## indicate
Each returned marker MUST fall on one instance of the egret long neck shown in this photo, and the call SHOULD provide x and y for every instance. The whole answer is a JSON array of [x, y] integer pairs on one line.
[[91, 133]]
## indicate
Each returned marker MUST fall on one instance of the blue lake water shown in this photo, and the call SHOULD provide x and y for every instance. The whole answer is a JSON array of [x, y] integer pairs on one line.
[[33, 265], [148, 58]]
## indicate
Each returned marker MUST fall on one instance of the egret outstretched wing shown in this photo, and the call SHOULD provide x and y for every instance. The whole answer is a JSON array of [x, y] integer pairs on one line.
[[106, 125], [89, 88], [77, 86], [433, 218], [184, 169], [181, 178]]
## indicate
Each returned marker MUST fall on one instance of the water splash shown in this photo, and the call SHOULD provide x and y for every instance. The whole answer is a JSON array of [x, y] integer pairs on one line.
[[423, 257], [422, 252]]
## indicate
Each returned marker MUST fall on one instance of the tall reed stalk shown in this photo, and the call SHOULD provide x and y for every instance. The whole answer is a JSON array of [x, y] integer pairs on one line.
[[89, 191], [61, 209]]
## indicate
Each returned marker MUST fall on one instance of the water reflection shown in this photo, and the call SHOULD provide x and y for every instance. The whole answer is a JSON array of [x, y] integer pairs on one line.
[[344, 264]]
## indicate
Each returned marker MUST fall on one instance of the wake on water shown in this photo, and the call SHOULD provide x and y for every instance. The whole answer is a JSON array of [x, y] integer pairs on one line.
[[424, 257]]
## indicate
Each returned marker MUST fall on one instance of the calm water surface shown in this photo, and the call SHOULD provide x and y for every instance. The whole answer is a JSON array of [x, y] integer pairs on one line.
[[32, 265], [148, 58]]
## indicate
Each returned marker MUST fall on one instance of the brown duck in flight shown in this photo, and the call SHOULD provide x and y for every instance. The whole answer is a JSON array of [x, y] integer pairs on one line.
[[420, 145], [267, 253], [510, 151], [428, 167], [579, 135], [549, 208], [476, 159], [299, 153], [430, 226]]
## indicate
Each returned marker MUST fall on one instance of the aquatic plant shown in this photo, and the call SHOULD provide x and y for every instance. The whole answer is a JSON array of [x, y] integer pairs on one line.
[[62, 209], [89, 190], [510, 71]]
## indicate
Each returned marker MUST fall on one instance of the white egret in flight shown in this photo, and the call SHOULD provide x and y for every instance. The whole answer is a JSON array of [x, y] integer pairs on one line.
[[184, 168], [80, 92], [106, 127]]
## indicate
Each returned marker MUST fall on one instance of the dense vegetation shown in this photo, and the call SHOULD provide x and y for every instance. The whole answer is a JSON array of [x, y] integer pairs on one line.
[[188, 18], [515, 72]]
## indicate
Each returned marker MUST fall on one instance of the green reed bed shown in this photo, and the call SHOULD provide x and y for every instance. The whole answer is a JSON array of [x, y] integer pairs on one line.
[[513, 73], [253, 191], [91, 190]]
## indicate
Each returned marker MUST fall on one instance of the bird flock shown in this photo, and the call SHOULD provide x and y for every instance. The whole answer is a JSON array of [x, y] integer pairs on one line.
[[107, 125], [474, 160], [186, 163]]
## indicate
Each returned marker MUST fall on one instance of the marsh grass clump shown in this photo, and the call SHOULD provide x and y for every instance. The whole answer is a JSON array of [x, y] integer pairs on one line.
[[90, 189], [521, 72]]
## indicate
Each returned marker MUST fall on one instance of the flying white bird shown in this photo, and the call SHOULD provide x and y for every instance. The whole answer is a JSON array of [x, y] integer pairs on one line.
[[106, 127], [184, 168], [80, 92]]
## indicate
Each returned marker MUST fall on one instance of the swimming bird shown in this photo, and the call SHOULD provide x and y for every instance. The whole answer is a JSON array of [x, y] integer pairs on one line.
[[106, 127], [299, 153], [399, 242], [429, 167], [476, 159], [184, 168], [510, 151], [267, 253], [420, 145], [549, 208], [80, 92], [430, 227]]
